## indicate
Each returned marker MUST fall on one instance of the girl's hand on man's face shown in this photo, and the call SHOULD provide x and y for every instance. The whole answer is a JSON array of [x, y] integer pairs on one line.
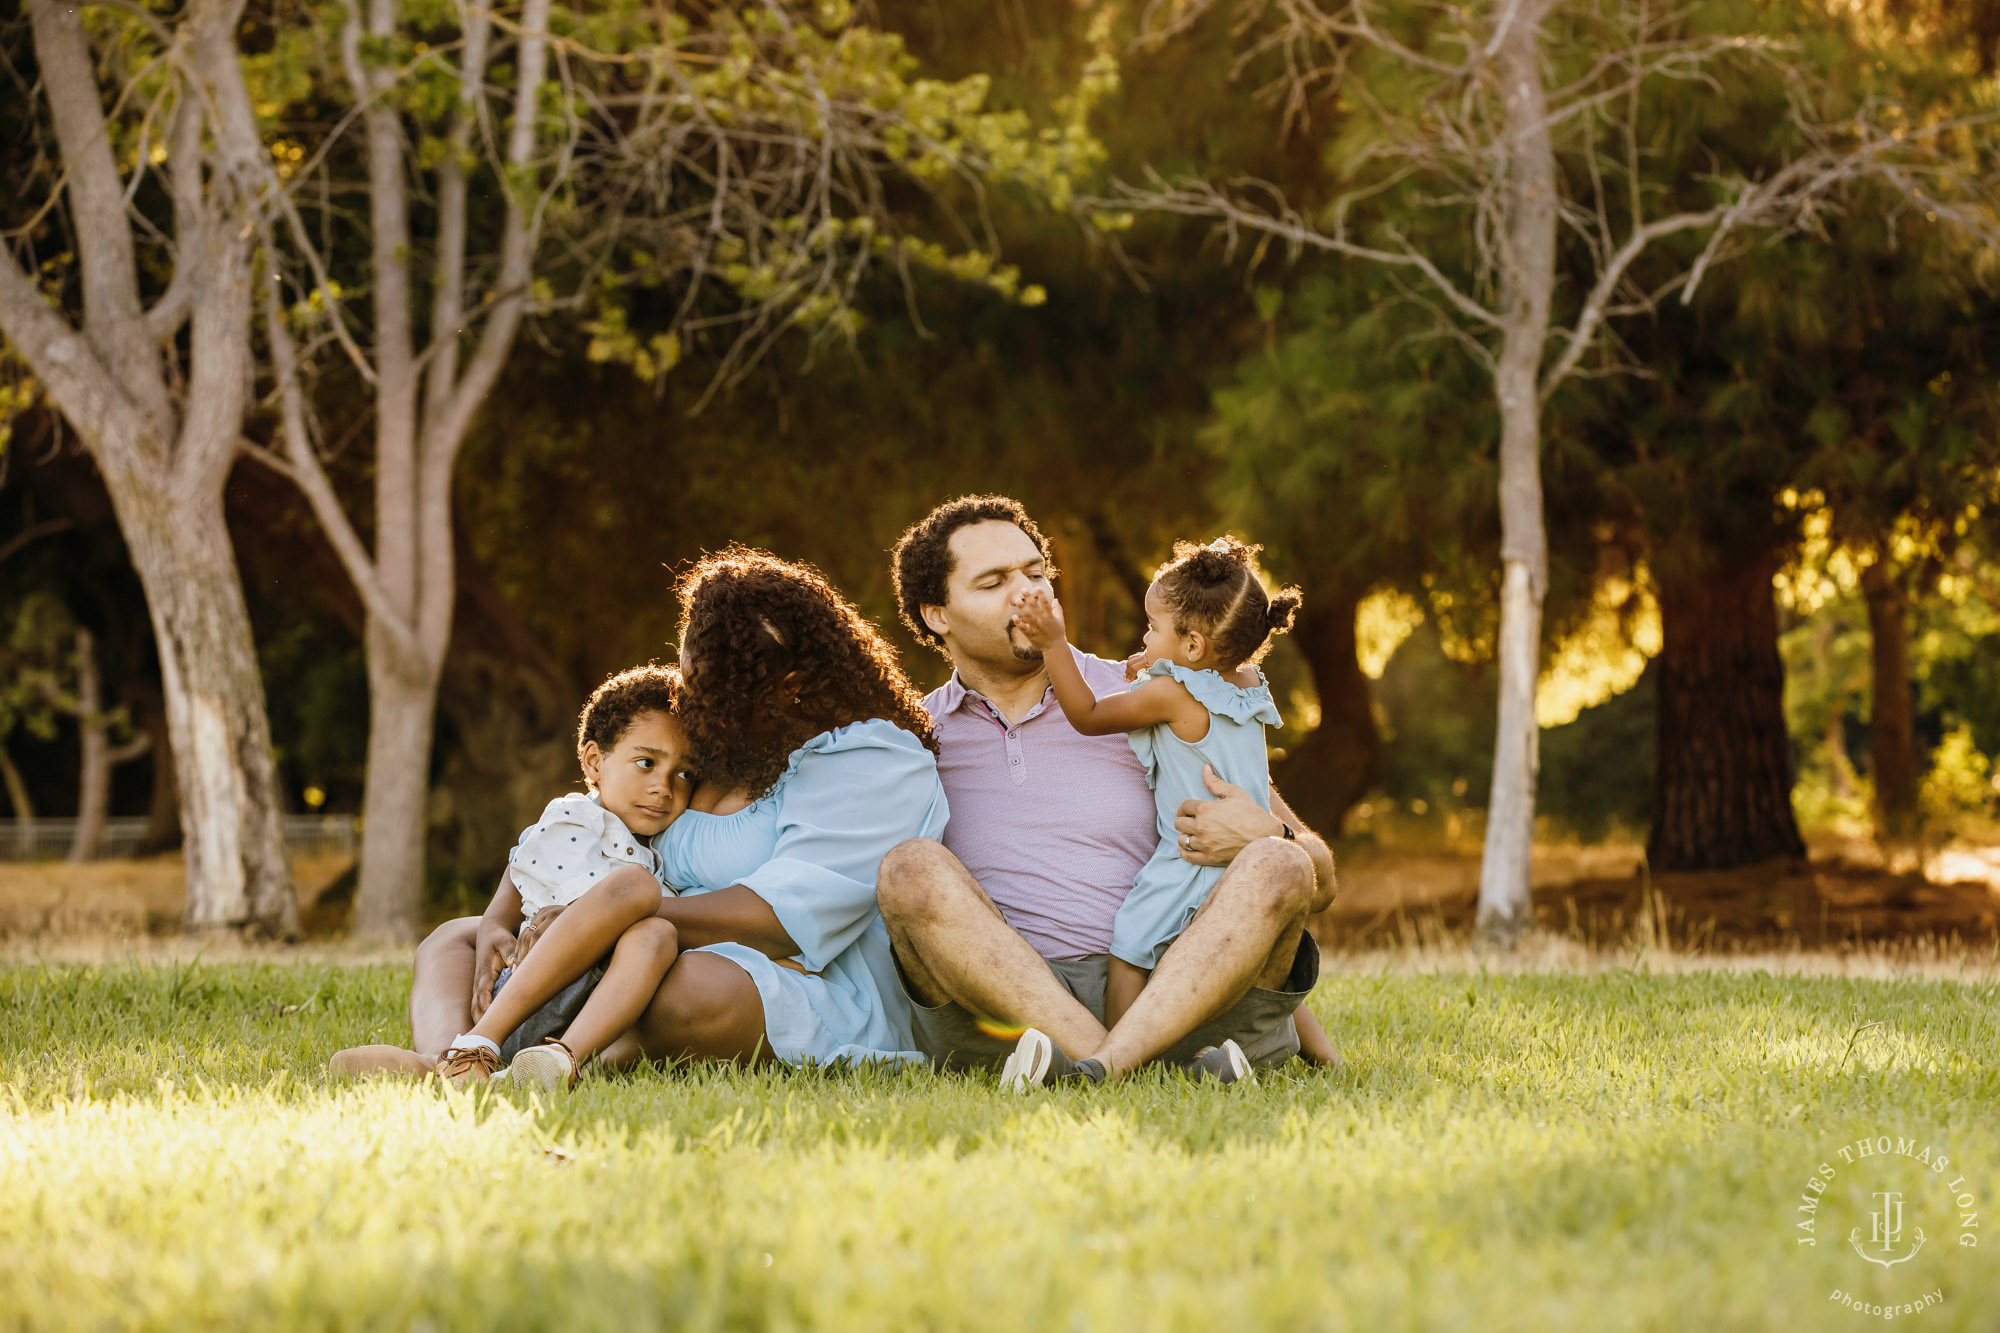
[[1040, 618]]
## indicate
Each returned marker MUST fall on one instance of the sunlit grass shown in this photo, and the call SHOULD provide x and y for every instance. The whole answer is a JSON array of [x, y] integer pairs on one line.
[[1605, 1151]]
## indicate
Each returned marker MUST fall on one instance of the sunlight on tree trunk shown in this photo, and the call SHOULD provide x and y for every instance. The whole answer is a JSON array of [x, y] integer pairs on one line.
[[1527, 288]]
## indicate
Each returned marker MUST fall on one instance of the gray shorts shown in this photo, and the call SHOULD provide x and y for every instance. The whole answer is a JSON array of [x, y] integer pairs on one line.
[[1261, 1022]]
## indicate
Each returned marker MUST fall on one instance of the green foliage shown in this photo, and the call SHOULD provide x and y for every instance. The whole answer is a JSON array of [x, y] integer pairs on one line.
[[1507, 1152]]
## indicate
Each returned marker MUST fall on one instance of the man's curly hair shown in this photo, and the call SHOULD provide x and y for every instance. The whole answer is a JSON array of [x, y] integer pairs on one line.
[[923, 562], [749, 619], [616, 704]]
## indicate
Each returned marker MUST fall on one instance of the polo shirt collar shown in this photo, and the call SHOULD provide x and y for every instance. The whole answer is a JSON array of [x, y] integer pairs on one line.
[[954, 693]]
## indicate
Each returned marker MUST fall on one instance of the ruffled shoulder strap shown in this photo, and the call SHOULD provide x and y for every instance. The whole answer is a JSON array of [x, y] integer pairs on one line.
[[1217, 695]]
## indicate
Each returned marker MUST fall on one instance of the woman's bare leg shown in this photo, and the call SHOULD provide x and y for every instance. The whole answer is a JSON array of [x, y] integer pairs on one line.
[[707, 1009], [639, 964], [440, 1005], [441, 987], [587, 930]]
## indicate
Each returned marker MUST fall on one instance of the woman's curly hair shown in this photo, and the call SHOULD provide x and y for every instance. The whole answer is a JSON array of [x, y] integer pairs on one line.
[[1216, 589], [616, 704], [748, 620]]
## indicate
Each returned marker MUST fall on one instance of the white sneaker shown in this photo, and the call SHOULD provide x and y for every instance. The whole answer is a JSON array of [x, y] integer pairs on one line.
[[1038, 1061], [549, 1067], [1028, 1065], [1225, 1064]]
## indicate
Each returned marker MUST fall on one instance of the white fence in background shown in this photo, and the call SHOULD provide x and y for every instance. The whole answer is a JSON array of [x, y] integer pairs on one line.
[[50, 839]]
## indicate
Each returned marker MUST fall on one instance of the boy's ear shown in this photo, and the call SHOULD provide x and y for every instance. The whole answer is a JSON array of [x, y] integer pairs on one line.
[[935, 617], [593, 761]]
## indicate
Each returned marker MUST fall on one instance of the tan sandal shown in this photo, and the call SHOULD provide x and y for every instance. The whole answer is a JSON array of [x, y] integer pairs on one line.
[[460, 1065]]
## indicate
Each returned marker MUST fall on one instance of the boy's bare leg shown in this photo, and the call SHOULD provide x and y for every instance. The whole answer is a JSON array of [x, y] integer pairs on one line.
[[707, 1009], [639, 964], [953, 945], [584, 933], [1245, 935], [1122, 984]]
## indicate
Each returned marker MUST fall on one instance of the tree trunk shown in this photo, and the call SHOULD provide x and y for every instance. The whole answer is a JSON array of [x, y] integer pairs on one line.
[[1723, 790], [402, 706], [1892, 729], [93, 787], [164, 443], [232, 831], [1527, 270], [1336, 765], [24, 805], [163, 814]]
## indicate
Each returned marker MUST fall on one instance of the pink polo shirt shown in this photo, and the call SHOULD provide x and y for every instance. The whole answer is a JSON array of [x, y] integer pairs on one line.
[[1053, 824]]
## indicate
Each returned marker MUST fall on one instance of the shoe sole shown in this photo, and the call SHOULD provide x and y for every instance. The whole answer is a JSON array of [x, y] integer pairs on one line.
[[541, 1067], [1029, 1064], [1239, 1063]]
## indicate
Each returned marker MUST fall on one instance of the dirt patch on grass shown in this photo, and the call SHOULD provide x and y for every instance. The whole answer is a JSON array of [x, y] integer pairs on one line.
[[117, 899], [1602, 898]]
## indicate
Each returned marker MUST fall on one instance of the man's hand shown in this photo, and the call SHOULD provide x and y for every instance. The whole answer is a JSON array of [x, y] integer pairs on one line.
[[1040, 619], [1213, 832], [495, 946]]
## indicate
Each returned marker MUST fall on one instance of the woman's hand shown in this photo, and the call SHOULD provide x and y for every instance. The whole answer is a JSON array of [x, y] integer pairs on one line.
[[490, 954], [1040, 619], [1213, 832]]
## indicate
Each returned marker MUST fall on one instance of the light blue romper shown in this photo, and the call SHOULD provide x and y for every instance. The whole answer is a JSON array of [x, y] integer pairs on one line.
[[1168, 890], [810, 848]]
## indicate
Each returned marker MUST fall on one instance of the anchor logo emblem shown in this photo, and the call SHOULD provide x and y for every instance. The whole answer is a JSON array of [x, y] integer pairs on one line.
[[1885, 1230]]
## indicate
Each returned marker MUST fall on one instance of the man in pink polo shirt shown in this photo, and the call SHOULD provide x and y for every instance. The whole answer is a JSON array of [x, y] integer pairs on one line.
[[1005, 924]]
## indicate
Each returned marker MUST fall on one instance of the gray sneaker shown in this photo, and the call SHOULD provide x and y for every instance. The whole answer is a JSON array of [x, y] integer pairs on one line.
[[1225, 1064], [1038, 1061]]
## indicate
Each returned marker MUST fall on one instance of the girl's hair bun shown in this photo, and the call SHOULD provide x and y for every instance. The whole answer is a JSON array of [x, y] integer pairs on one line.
[[1284, 609]]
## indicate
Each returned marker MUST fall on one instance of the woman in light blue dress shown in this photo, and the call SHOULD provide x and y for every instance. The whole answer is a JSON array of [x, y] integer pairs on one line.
[[793, 703]]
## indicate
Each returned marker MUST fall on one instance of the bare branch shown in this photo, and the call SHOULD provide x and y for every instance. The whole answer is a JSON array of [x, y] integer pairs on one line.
[[301, 464]]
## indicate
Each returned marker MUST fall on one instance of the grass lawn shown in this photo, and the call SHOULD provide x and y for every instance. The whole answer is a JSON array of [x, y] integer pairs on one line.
[[1611, 1150]]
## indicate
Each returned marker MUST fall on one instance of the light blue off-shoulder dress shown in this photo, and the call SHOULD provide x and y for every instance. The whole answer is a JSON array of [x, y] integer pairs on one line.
[[810, 848], [1168, 890]]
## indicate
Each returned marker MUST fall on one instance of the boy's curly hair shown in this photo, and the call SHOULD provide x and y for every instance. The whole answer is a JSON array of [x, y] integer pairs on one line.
[[922, 558], [616, 704], [1216, 589], [749, 619]]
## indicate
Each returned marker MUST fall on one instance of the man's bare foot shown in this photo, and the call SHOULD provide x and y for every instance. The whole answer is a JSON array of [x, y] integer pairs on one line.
[[391, 1061]]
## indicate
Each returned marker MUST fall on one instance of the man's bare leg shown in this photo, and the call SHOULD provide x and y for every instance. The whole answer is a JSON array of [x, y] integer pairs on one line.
[[440, 1005], [953, 945], [1245, 935]]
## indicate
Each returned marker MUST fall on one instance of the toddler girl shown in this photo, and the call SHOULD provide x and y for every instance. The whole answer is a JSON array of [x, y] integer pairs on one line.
[[1199, 699], [634, 759]]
